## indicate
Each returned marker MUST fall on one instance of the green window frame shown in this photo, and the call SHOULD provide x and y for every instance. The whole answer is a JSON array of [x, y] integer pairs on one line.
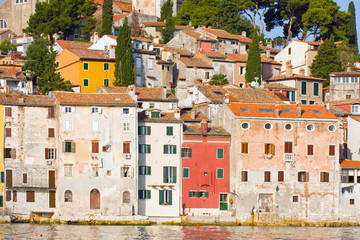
[[303, 101], [186, 172], [144, 148], [169, 149], [1, 201], [192, 194], [106, 66], [106, 82], [144, 170], [186, 152], [311, 102], [219, 173], [144, 130], [169, 131], [169, 174], [155, 114], [165, 197], [2, 177], [85, 82], [303, 88], [219, 153], [144, 194], [86, 66], [316, 89], [68, 147]]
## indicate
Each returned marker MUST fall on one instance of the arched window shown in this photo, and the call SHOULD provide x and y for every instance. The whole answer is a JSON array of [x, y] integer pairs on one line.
[[3, 24], [126, 197], [68, 196], [94, 199]]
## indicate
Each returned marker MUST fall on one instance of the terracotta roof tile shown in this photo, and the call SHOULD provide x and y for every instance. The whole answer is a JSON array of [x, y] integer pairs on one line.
[[195, 62], [144, 93], [185, 115], [356, 118], [164, 117], [72, 98], [279, 86], [350, 164], [217, 131], [11, 73], [126, 7], [346, 73], [307, 111], [142, 39], [221, 33], [116, 17], [73, 44], [272, 50], [183, 28], [214, 55], [26, 100], [294, 76], [339, 107], [243, 39], [243, 58], [198, 36], [282, 96], [90, 54], [4, 31], [180, 51]]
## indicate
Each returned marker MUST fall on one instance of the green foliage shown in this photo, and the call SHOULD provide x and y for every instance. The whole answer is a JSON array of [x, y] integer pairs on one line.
[[253, 65], [326, 61], [352, 26], [124, 66], [107, 18], [6, 46], [166, 11], [40, 60], [80, 40], [218, 79], [60, 16], [88, 11], [167, 31], [348, 55]]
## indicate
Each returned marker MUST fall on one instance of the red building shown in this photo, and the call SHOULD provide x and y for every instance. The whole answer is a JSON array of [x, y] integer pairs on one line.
[[205, 169]]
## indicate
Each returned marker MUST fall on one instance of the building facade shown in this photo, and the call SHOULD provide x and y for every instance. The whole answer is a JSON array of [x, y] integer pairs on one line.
[[344, 85]]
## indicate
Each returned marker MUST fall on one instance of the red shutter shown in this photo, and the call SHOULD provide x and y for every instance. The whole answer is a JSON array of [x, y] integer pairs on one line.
[[7, 132], [288, 147], [95, 147], [51, 132], [126, 147], [310, 150], [46, 153]]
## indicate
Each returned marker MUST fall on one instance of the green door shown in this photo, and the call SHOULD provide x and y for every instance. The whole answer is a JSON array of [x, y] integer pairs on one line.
[[223, 202]]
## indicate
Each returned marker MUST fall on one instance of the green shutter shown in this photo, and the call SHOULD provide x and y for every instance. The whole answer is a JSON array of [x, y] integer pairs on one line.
[[288, 95], [140, 194], [316, 89], [165, 172], [139, 171], [148, 130], [148, 170], [2, 177], [303, 88], [190, 194], [1, 201], [220, 153], [174, 174], [182, 152], [174, 148], [161, 197], [140, 148], [206, 194], [190, 152], [197, 194], [185, 172], [219, 173], [148, 148], [293, 95], [148, 194], [170, 197], [165, 149]]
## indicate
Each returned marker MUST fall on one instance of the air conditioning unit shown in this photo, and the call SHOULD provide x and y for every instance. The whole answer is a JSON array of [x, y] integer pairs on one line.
[[48, 162], [127, 156]]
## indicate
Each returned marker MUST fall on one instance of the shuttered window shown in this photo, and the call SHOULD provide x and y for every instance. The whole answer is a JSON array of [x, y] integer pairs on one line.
[[8, 195], [244, 176], [144, 130], [8, 111], [7, 132], [25, 180], [269, 149], [219, 173], [169, 149], [51, 112], [95, 147], [51, 132], [165, 197], [186, 152], [126, 147], [8, 178], [51, 178], [30, 196], [288, 147], [303, 88], [280, 176], [186, 173], [220, 153], [169, 174], [316, 89], [144, 148], [144, 194], [267, 176], [2, 177], [324, 177], [52, 199], [331, 150], [303, 176], [310, 150], [244, 147], [14, 196]]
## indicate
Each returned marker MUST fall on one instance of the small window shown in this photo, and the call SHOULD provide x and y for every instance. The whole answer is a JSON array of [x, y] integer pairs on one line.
[[288, 147], [85, 82], [106, 82], [288, 126], [8, 111], [192, 194], [219, 173], [144, 148], [165, 197], [303, 88], [7, 132], [95, 147], [311, 102], [86, 66], [144, 170], [125, 111], [269, 149], [169, 131], [186, 152], [106, 66], [95, 171], [186, 173], [310, 127], [50, 153], [245, 125], [51, 112], [289, 51], [267, 176], [126, 126], [51, 132], [96, 110], [352, 201], [144, 194], [220, 153], [280, 176], [144, 130], [155, 114], [324, 177], [303, 177], [25, 179], [303, 101], [310, 150], [68, 147], [68, 170], [169, 174], [316, 89], [295, 199], [331, 128], [244, 176], [68, 196], [244, 148], [30, 196], [126, 147], [169, 149], [332, 150], [68, 109], [8, 195], [268, 126]]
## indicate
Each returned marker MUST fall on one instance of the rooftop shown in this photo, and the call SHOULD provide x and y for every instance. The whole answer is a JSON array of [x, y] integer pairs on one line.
[[185, 115], [199, 36], [195, 130], [294, 76], [350, 164], [164, 117], [90, 54], [243, 58], [11, 73], [195, 62], [26, 100], [279, 86], [345, 73], [73, 44], [220, 33], [180, 51]]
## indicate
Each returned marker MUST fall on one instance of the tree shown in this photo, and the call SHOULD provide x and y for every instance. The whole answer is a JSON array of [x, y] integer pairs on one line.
[[166, 11], [124, 66], [218, 79], [348, 55], [107, 18], [352, 26], [253, 64], [326, 61], [6, 46], [167, 31], [40, 60]]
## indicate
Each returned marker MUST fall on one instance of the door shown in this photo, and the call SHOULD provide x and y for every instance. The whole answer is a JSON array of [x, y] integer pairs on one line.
[[223, 202], [51, 178], [52, 199]]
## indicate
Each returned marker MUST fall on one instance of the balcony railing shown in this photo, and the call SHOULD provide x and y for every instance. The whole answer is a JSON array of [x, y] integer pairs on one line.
[[289, 157]]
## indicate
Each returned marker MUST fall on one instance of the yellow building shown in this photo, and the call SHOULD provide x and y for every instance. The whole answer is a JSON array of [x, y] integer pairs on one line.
[[86, 68]]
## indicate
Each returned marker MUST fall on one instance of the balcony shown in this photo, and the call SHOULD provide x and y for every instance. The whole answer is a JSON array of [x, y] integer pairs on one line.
[[289, 157]]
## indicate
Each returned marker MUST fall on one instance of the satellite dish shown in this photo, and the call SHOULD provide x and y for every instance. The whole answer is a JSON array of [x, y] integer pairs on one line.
[[253, 84], [51, 94]]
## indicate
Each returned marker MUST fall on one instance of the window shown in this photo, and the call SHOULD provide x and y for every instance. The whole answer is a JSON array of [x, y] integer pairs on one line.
[[30, 196], [352, 201], [51, 112], [303, 176], [106, 66], [150, 63], [310, 150], [169, 174], [95, 171], [7, 132], [144, 194], [96, 110], [316, 89], [68, 109], [186, 173], [245, 125], [269, 149], [242, 70], [68, 147], [106, 148], [8, 196], [207, 75], [303, 102], [3, 23], [51, 132], [94, 199], [68, 125], [354, 109], [186, 152], [332, 150], [291, 95], [68, 196], [168, 68], [244, 148], [126, 126], [192, 194], [144, 130], [347, 175], [94, 147], [244, 176], [267, 176], [280, 176], [276, 71], [219, 153], [219, 173], [144, 170], [144, 148], [309, 127], [125, 111], [331, 128], [126, 197], [95, 126], [289, 51], [10, 153], [268, 126], [8, 111], [67, 170], [165, 197], [288, 147], [288, 126], [25, 179], [324, 177], [85, 82], [169, 149], [155, 114], [311, 102], [354, 79], [50, 153], [295, 198], [169, 131], [8, 178], [126, 147], [86, 66], [106, 82], [303, 88]]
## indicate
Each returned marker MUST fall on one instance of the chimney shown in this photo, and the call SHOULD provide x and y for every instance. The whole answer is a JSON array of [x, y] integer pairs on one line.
[[243, 33], [277, 110], [302, 71], [96, 37], [131, 91], [163, 92], [177, 114], [267, 53], [289, 69], [21, 100], [269, 44], [227, 100], [298, 110], [204, 126]]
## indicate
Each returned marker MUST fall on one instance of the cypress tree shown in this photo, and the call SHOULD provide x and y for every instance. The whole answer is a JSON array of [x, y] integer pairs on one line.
[[326, 61], [124, 65], [253, 65], [352, 26], [107, 18], [166, 10], [167, 32]]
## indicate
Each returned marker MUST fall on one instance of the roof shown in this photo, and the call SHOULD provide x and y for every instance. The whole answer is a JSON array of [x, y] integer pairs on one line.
[[164, 117], [116, 17], [185, 115], [144, 93], [337, 106], [350, 164], [195, 62], [184, 28], [73, 98], [346, 73], [279, 86], [193, 129], [272, 50], [282, 96], [73, 44], [11, 73], [126, 7], [153, 24], [198, 36], [214, 55], [4, 31], [142, 39], [221, 33], [294, 76], [285, 110], [180, 51], [90, 54], [243, 58], [243, 39], [26, 100]]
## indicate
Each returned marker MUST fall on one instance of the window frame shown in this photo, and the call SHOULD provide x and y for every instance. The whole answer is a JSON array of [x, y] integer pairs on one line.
[[324, 177], [85, 80], [218, 155], [220, 173], [87, 66], [188, 172], [169, 131], [244, 148], [312, 150], [303, 90], [186, 152]]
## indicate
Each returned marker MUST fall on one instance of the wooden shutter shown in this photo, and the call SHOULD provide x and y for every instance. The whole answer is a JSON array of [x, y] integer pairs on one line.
[[141, 193], [72, 147], [52, 199], [174, 149], [8, 195], [173, 169], [7, 132], [190, 152], [267, 176], [244, 147], [51, 112], [46, 153], [288, 147], [30, 196], [51, 132], [51, 178], [25, 178], [8, 111], [327, 176], [9, 178], [13, 153], [310, 150], [165, 149], [95, 147], [316, 89], [2, 177], [14, 196], [280, 176], [306, 177], [1, 201], [148, 194], [331, 150], [165, 174], [126, 147], [272, 149], [244, 176]]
